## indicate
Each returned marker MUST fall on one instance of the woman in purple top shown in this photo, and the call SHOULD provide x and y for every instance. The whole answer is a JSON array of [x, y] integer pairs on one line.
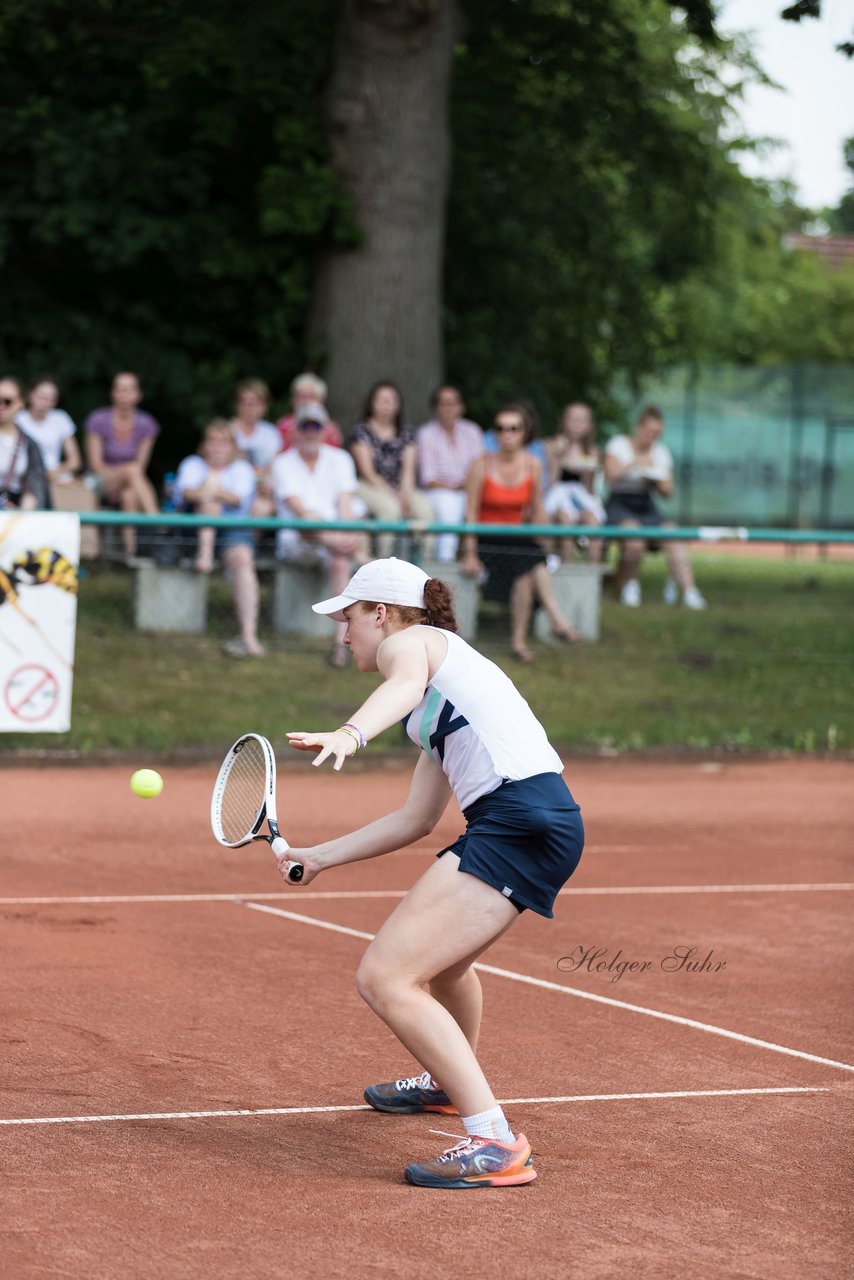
[[118, 449]]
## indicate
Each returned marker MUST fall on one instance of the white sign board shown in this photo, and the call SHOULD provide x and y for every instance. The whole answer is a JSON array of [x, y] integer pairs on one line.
[[39, 556]]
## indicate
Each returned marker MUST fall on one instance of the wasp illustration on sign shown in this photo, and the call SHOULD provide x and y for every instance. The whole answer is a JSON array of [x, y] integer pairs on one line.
[[38, 568]]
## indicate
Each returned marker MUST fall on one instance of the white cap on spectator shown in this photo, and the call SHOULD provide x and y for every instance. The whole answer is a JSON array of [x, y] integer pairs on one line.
[[312, 412], [389, 581]]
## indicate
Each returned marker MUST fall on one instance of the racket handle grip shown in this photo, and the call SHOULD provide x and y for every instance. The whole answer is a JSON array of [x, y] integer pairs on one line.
[[280, 846]]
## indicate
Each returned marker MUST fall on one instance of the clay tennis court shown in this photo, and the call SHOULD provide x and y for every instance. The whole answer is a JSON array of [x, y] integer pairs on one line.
[[184, 1051]]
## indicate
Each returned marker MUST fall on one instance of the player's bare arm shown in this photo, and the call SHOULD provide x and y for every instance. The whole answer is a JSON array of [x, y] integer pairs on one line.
[[403, 660], [428, 797]]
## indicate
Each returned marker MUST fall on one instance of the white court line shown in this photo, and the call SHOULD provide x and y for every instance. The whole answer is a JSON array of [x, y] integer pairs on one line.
[[504, 1102], [710, 888], [588, 849], [295, 894], [106, 899], [582, 995]]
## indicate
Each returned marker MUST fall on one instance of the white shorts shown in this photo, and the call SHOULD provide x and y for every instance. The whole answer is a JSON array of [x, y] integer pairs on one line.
[[572, 499]]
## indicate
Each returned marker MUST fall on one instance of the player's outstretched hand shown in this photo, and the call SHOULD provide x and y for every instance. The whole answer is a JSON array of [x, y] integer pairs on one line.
[[339, 744], [310, 866]]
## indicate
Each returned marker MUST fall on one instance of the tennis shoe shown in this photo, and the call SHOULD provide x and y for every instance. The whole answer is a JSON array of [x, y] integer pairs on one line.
[[477, 1162], [631, 594], [410, 1095]]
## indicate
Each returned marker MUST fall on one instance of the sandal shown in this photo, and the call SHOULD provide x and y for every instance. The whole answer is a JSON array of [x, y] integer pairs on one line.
[[567, 635], [238, 648], [523, 654]]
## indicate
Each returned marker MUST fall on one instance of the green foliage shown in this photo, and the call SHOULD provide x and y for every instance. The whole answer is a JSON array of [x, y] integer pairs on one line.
[[759, 302], [588, 174], [841, 219], [165, 180], [166, 186]]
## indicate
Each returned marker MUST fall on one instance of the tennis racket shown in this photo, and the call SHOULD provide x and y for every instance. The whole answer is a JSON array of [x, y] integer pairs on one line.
[[244, 795]]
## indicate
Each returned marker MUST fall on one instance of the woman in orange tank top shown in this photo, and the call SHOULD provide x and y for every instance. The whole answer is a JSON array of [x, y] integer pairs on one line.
[[506, 488]]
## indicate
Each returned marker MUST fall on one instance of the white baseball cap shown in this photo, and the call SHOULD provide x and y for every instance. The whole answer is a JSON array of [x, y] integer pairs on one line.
[[389, 581]]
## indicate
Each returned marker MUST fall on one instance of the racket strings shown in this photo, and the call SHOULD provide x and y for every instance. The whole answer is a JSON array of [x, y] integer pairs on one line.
[[244, 793]]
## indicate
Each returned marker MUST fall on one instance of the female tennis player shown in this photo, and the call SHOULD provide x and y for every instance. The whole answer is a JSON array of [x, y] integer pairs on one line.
[[523, 840]]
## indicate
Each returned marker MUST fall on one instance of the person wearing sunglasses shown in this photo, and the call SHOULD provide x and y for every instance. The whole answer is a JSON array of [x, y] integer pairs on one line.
[[317, 481], [507, 488], [23, 478]]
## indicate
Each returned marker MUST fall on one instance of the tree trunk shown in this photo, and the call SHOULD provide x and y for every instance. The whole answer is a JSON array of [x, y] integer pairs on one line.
[[377, 306]]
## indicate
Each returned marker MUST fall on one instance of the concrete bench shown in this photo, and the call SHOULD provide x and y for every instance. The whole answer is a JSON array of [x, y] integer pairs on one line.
[[465, 591], [169, 598], [578, 591], [296, 587]]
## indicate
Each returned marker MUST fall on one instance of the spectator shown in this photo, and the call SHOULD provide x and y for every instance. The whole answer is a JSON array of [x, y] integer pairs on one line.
[[23, 479], [52, 430], [307, 388], [216, 481], [535, 446], [384, 452], [506, 488], [119, 441], [257, 440], [446, 447], [637, 467], [316, 481], [574, 466]]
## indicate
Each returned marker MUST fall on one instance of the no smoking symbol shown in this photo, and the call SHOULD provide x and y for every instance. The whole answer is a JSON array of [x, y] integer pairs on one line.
[[31, 693]]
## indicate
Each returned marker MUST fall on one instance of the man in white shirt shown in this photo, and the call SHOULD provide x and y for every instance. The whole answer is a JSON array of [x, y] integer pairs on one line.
[[315, 481]]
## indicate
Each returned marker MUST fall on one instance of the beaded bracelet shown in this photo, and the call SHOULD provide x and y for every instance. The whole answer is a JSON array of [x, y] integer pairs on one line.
[[363, 741]]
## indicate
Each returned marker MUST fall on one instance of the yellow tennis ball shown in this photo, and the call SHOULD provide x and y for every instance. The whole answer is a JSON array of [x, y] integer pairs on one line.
[[146, 783]]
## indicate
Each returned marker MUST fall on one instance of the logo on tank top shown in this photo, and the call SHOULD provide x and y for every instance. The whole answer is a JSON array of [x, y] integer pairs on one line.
[[447, 722]]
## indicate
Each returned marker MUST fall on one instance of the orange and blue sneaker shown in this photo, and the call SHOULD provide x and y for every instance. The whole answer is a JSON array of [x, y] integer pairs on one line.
[[413, 1093], [477, 1162]]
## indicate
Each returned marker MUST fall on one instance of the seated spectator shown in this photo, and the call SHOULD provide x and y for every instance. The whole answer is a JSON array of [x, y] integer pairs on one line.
[[217, 482], [574, 466], [384, 451], [446, 447], [636, 468], [316, 481], [23, 478], [257, 440], [506, 488], [307, 388], [52, 430], [535, 446], [119, 441]]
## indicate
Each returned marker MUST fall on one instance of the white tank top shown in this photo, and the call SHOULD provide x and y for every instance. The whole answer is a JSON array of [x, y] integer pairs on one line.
[[476, 725]]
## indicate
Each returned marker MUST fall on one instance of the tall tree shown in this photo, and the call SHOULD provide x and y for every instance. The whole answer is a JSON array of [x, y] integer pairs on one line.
[[377, 301]]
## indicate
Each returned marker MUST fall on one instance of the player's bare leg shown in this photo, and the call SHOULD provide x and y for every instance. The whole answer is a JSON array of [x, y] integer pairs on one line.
[[446, 920], [458, 989]]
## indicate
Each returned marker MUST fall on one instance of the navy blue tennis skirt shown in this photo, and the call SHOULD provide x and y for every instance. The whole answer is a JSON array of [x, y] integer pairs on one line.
[[525, 839]]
